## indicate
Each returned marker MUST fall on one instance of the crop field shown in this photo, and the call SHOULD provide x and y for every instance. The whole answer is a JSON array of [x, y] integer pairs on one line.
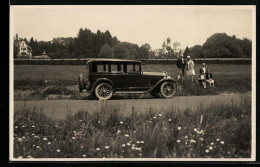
[[39, 81]]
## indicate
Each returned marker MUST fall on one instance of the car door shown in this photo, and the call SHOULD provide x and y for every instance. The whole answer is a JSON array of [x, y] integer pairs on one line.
[[117, 76]]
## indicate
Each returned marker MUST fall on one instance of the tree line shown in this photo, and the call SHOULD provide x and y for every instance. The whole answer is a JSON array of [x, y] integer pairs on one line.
[[220, 45]]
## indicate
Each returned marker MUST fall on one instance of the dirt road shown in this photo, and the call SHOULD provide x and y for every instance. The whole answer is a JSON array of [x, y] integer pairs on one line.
[[58, 109]]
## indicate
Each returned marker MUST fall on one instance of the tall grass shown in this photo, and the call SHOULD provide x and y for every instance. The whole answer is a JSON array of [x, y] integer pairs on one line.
[[37, 82], [214, 131]]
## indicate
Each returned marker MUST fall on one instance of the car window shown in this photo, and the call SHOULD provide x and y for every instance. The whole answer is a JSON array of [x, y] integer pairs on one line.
[[133, 68], [102, 68], [117, 68]]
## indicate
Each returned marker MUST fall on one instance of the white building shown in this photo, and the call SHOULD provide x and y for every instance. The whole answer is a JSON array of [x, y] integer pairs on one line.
[[23, 50]]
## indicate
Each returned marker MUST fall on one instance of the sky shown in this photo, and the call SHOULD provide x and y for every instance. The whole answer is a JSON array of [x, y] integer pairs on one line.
[[189, 25]]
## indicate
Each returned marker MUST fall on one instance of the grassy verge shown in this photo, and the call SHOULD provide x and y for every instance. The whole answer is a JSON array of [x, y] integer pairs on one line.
[[38, 82], [214, 131]]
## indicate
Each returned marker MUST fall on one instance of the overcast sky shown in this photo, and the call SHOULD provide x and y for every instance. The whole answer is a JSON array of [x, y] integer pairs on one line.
[[189, 25]]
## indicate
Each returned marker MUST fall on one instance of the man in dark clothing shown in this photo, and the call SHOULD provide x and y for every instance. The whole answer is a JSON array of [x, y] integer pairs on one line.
[[181, 64]]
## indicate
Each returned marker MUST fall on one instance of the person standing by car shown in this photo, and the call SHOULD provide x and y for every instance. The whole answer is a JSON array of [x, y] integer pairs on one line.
[[181, 64], [190, 68]]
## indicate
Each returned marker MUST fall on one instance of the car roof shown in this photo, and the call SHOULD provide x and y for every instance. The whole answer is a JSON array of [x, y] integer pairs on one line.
[[114, 60]]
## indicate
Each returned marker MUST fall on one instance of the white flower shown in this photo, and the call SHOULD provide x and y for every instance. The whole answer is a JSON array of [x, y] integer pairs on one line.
[[160, 115], [106, 147], [80, 120], [33, 126], [186, 137], [154, 117], [133, 147], [212, 143], [97, 149], [37, 146], [195, 129], [192, 141], [169, 120], [121, 122], [150, 121], [178, 141], [45, 138], [123, 145], [84, 156], [211, 148], [118, 131], [16, 127], [128, 144], [73, 138], [206, 150], [49, 143], [81, 147], [142, 142], [222, 142], [29, 156], [138, 142], [58, 150], [179, 128], [126, 135], [140, 154], [217, 139]]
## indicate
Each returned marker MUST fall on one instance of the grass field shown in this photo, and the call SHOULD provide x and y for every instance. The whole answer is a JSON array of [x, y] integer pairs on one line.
[[215, 131], [38, 81]]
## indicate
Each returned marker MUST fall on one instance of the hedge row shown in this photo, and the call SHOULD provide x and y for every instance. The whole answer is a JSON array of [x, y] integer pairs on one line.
[[149, 61]]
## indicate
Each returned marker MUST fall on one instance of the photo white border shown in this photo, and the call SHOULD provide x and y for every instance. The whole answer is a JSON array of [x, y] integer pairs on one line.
[[253, 114]]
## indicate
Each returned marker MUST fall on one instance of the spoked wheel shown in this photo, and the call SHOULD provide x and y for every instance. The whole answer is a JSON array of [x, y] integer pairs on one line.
[[168, 89], [104, 91]]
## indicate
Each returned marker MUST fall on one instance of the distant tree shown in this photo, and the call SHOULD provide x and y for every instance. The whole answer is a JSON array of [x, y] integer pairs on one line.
[[121, 51], [186, 52], [106, 52], [144, 53], [196, 51]]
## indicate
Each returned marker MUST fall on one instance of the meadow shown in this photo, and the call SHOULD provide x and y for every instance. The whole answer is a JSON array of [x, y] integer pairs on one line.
[[38, 81], [214, 131]]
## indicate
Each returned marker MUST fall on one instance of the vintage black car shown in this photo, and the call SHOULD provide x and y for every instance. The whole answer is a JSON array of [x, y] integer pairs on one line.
[[104, 77]]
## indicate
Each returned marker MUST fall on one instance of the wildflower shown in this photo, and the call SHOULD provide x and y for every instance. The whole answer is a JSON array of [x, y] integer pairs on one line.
[[186, 137], [138, 142], [23, 126], [128, 144], [73, 138], [222, 142], [99, 122], [133, 145], [118, 131], [123, 145], [186, 143], [80, 120], [33, 126], [160, 115], [179, 128], [126, 135], [169, 120], [201, 131], [178, 141], [81, 147], [45, 138], [154, 117], [121, 122], [201, 139], [33, 145], [29, 156], [134, 131], [195, 129], [16, 127], [23, 137], [212, 143], [217, 139], [49, 143], [106, 147], [206, 150], [37, 146], [142, 142], [97, 149], [211, 148], [150, 121], [84, 156], [192, 141], [140, 154], [58, 150]]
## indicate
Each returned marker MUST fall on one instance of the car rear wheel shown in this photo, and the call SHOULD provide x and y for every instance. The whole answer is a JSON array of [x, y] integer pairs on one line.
[[167, 89], [104, 91], [81, 83]]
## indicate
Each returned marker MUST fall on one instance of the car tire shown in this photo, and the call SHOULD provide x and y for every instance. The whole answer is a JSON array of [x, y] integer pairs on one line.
[[167, 89], [104, 91], [81, 83]]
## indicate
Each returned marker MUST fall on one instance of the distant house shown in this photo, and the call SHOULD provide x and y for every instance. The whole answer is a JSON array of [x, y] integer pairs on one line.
[[23, 50], [42, 56]]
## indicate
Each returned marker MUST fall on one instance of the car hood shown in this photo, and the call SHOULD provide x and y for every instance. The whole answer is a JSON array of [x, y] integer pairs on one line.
[[161, 74]]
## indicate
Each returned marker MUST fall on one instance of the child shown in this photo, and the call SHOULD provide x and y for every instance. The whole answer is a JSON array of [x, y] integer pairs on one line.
[[202, 80], [209, 79]]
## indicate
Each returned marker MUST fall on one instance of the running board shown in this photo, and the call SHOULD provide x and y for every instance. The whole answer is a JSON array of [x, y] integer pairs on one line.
[[132, 92]]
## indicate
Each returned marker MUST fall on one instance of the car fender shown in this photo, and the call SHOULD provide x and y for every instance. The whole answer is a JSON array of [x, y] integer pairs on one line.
[[160, 82], [102, 80]]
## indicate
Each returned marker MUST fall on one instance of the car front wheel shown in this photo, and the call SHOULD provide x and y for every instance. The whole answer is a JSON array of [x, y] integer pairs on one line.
[[167, 89], [104, 91]]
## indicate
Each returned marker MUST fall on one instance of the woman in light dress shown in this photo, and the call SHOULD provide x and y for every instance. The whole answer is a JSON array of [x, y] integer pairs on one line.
[[190, 68]]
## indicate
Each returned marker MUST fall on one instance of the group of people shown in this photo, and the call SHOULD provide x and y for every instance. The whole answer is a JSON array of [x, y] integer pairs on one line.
[[186, 67]]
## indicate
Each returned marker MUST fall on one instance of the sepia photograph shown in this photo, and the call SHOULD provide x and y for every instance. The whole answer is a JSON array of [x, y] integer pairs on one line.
[[132, 83]]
